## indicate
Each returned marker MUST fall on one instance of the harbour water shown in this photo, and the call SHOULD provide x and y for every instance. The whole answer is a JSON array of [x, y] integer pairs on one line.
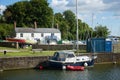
[[98, 72]]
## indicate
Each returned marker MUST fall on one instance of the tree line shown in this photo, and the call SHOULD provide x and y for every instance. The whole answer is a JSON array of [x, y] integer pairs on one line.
[[26, 12]]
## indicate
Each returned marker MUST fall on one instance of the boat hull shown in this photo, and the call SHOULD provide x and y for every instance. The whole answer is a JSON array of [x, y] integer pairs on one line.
[[16, 40], [61, 65]]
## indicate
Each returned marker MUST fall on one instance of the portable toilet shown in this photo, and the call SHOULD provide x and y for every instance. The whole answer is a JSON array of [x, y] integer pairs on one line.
[[108, 46]]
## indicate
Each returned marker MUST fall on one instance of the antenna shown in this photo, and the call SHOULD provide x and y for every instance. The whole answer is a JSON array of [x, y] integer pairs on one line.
[[92, 22]]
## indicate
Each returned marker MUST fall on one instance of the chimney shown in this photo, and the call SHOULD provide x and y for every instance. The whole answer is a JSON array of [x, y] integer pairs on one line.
[[35, 24], [57, 26], [14, 24]]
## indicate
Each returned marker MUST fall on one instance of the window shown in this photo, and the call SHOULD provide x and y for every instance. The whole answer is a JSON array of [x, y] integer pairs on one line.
[[70, 55], [32, 34], [52, 34], [21, 34], [42, 35]]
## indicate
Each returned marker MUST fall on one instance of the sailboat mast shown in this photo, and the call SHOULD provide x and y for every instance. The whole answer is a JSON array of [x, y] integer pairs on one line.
[[77, 24]]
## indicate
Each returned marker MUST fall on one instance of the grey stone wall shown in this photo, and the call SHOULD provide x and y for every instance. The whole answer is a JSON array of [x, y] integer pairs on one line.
[[21, 62], [58, 47], [32, 62]]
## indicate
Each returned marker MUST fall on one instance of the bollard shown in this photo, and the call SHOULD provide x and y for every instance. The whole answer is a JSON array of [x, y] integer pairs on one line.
[[5, 52]]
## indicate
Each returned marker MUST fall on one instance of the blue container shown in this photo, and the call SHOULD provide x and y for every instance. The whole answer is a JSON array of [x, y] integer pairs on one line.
[[99, 45], [96, 45], [108, 46]]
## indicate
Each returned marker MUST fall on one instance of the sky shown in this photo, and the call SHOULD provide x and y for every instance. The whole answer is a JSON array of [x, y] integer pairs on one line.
[[93, 12]]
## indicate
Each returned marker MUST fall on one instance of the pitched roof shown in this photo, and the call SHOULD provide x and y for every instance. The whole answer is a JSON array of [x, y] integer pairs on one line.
[[37, 30]]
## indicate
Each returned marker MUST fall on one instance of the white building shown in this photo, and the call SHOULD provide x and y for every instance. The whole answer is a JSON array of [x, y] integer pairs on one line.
[[37, 34]]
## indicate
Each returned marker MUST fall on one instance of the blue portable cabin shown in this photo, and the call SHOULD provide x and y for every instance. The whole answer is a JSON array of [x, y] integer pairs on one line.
[[99, 45], [108, 46]]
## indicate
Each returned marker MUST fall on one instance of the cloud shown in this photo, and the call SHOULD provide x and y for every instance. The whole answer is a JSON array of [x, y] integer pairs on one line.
[[103, 18], [83, 5], [59, 5], [86, 6], [2, 8]]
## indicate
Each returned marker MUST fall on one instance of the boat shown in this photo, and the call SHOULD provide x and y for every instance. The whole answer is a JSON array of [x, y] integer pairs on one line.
[[30, 41], [15, 40], [75, 68], [65, 59]]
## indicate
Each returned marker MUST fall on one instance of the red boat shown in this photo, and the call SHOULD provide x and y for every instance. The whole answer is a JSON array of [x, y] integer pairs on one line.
[[75, 68], [41, 67], [16, 40]]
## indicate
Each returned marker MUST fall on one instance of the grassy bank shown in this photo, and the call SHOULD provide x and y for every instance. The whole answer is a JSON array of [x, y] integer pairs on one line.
[[12, 52], [18, 54]]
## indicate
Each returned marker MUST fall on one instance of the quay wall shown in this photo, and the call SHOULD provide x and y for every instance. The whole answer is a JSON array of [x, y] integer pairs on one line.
[[21, 62], [58, 47], [31, 62], [43, 46]]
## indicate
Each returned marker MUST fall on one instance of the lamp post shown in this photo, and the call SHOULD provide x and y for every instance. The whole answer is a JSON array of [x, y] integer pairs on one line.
[[0, 11], [77, 25]]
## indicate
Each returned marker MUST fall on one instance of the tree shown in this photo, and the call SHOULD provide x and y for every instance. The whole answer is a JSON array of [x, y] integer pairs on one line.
[[5, 30], [101, 31], [66, 23], [61, 24], [71, 21], [26, 12], [67, 26], [84, 30]]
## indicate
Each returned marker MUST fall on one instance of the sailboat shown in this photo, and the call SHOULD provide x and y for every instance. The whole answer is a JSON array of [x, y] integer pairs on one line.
[[68, 60]]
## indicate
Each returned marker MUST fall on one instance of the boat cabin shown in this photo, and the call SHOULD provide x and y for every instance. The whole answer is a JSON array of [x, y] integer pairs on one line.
[[62, 56]]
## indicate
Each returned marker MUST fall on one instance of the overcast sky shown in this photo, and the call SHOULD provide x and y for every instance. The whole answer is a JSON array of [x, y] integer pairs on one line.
[[104, 12]]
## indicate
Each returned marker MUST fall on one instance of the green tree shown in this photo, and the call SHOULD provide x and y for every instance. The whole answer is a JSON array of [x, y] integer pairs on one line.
[[26, 12], [71, 21], [67, 26], [101, 31], [60, 22], [84, 31], [5, 30]]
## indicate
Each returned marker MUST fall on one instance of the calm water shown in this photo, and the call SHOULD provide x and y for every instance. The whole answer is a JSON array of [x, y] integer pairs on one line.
[[98, 72]]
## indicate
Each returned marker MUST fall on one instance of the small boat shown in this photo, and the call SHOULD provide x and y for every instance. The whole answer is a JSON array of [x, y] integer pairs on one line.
[[75, 68], [16, 40], [68, 59], [41, 67]]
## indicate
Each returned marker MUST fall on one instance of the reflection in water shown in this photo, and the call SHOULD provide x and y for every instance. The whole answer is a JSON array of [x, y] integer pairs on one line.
[[98, 72]]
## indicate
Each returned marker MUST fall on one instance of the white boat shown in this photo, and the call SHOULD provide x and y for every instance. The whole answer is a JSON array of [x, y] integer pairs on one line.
[[62, 59]]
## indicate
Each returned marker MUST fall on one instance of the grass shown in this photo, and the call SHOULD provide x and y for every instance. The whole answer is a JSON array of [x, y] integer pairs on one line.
[[23, 52], [13, 52]]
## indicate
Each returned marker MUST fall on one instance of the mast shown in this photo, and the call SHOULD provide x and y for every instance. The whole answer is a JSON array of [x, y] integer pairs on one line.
[[77, 24]]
